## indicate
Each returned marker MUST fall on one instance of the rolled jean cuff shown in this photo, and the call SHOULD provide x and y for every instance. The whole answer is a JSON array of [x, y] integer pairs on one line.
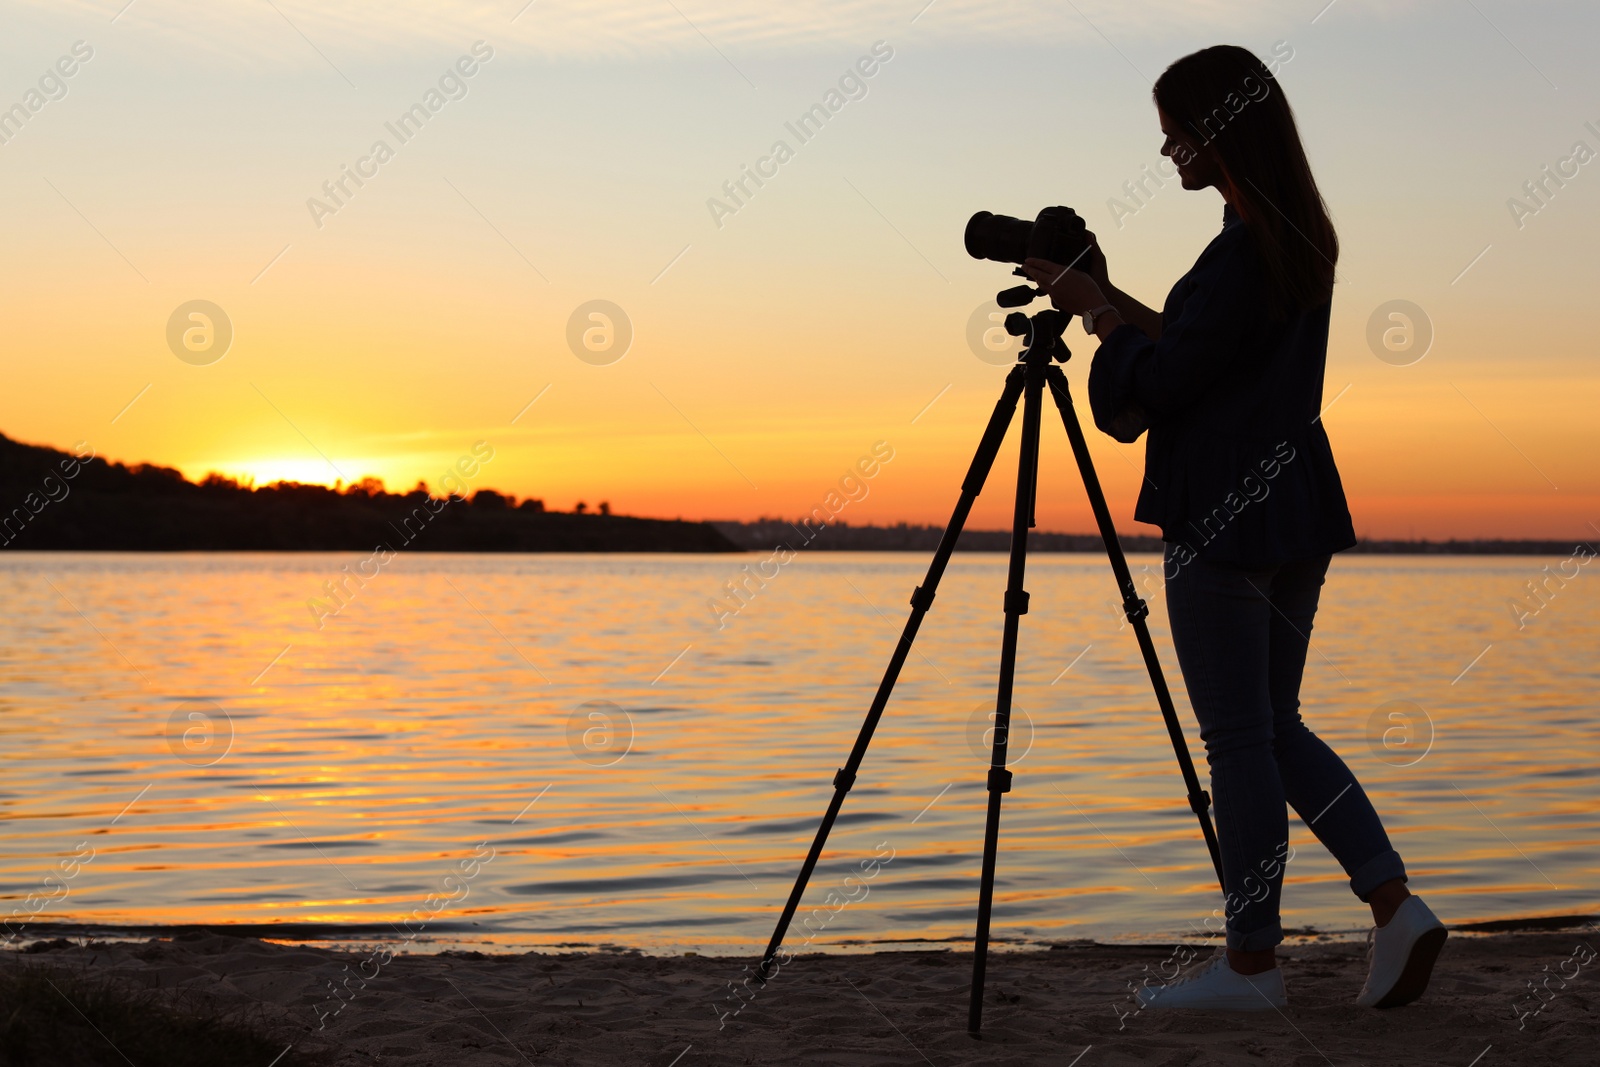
[[1384, 867], [1257, 940]]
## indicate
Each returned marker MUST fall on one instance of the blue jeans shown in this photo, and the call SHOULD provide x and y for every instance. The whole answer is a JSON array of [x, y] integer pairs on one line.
[[1242, 633]]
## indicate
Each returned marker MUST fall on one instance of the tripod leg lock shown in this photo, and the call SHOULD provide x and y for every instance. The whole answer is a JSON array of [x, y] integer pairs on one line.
[[843, 779], [921, 598], [1016, 601], [1200, 802], [1134, 607], [999, 780]]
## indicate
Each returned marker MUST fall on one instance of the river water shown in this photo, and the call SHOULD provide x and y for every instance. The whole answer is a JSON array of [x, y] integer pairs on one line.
[[523, 751]]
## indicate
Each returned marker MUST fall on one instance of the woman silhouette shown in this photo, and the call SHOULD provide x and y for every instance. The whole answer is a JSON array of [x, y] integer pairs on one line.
[[1227, 379]]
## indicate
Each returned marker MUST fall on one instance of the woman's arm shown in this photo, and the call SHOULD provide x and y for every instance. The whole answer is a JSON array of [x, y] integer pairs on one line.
[[1106, 323], [1138, 377], [1128, 309], [1077, 291], [1147, 319], [1162, 375], [1211, 328]]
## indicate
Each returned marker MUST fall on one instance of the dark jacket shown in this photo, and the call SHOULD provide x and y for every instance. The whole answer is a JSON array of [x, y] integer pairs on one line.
[[1237, 466]]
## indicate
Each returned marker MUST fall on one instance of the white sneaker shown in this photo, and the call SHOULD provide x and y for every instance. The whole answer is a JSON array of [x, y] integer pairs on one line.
[[1400, 956], [1219, 987]]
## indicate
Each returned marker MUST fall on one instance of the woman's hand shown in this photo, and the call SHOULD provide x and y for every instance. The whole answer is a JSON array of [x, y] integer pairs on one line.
[[1072, 291], [1093, 263]]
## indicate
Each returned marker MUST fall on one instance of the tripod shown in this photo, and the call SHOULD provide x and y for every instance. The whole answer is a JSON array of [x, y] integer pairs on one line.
[[1036, 368]]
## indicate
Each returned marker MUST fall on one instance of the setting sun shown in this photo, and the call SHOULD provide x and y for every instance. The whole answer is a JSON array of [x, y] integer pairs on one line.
[[262, 472], [313, 471]]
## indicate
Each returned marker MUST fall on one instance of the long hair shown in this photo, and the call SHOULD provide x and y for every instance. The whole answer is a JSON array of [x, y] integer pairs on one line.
[[1227, 99]]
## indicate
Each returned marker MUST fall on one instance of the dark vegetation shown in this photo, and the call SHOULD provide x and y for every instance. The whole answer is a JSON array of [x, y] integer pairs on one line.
[[52, 500], [843, 537], [49, 499]]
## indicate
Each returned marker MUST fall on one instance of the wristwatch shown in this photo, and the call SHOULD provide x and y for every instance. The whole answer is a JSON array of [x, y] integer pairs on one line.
[[1090, 316]]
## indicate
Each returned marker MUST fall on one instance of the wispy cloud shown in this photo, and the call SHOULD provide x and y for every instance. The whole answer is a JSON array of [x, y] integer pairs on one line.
[[361, 31]]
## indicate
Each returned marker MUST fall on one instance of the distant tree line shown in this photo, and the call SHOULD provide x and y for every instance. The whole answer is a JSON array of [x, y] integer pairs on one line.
[[51, 499], [901, 537]]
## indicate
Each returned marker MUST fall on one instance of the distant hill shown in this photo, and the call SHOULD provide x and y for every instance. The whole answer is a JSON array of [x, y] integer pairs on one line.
[[54, 500]]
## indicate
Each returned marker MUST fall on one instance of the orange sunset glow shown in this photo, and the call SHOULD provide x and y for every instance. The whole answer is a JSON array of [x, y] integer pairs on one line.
[[771, 346]]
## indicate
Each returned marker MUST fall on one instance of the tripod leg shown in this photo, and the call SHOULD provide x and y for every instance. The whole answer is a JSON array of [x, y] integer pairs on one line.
[[1134, 607], [1016, 605], [921, 601]]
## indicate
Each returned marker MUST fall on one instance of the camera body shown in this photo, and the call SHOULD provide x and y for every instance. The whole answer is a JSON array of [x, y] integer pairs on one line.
[[1057, 235]]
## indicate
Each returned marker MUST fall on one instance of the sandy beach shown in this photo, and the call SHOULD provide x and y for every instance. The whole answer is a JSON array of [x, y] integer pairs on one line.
[[1067, 1005]]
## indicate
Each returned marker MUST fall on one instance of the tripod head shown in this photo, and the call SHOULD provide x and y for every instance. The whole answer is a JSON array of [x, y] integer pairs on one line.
[[1041, 331]]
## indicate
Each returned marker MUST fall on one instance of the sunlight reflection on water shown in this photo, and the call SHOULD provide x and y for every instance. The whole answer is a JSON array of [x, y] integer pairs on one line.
[[645, 779]]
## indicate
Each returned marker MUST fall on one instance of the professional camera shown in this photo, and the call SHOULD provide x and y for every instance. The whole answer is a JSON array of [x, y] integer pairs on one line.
[[1056, 235]]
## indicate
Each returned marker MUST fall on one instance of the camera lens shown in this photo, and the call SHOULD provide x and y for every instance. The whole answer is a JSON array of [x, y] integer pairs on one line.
[[998, 237], [1058, 235]]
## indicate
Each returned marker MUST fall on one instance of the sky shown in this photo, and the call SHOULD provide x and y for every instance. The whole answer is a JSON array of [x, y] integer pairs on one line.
[[387, 327]]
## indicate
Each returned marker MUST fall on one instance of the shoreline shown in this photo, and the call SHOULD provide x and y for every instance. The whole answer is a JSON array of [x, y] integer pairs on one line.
[[982, 543], [332, 936], [1059, 1006]]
